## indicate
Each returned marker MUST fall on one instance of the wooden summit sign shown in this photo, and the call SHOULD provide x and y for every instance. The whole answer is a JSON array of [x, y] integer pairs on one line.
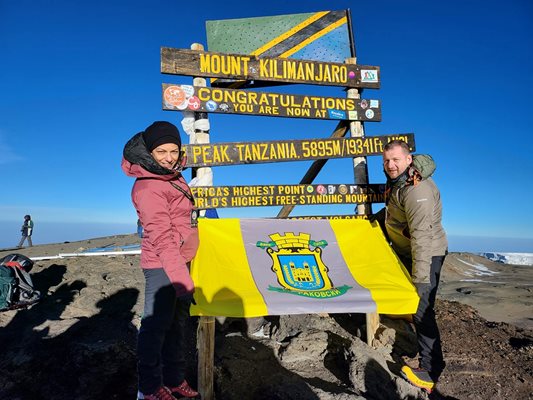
[[280, 195], [235, 153], [230, 101], [249, 67], [200, 99]]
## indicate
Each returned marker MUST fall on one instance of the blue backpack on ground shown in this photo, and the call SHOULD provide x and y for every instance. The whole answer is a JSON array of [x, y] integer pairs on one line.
[[16, 286]]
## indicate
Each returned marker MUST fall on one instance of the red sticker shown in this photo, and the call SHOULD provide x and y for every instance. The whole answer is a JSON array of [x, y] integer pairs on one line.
[[321, 189], [174, 96], [194, 103]]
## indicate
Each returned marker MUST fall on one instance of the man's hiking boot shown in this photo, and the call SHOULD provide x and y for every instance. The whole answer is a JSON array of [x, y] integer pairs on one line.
[[163, 393], [184, 390], [418, 377]]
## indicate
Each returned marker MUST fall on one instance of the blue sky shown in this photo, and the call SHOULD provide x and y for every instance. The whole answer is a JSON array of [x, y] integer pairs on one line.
[[78, 79]]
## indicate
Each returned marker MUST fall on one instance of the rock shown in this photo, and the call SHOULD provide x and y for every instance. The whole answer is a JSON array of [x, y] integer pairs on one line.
[[79, 343]]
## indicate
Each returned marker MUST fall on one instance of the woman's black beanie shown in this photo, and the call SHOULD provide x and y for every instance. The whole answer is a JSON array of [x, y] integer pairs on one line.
[[161, 132]]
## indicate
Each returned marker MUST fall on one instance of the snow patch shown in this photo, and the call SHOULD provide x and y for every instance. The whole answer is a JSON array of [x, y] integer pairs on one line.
[[510, 258], [478, 270]]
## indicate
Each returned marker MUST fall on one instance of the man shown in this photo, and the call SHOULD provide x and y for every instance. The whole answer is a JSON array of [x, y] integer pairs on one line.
[[413, 224], [27, 230]]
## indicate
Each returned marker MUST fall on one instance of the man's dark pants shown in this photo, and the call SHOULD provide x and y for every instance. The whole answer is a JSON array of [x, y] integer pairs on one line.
[[427, 331]]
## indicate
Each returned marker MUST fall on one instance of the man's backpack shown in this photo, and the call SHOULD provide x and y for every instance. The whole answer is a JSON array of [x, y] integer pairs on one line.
[[424, 165], [16, 286]]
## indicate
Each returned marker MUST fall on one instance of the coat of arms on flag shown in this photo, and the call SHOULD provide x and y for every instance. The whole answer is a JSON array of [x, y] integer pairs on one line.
[[298, 268]]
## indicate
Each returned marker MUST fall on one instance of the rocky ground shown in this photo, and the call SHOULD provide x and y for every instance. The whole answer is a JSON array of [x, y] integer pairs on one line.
[[79, 341]]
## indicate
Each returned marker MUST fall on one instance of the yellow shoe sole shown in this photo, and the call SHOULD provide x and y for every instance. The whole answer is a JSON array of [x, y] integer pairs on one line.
[[408, 374]]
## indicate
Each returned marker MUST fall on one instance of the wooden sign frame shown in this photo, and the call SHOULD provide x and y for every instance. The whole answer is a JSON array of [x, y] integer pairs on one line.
[[239, 153], [247, 102], [282, 70], [280, 195]]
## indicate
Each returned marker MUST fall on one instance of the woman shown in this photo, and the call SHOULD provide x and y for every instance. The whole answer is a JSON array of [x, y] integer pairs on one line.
[[166, 210]]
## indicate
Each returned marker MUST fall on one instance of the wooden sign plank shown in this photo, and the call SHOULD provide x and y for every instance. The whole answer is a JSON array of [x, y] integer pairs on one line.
[[238, 153], [230, 101], [346, 216], [279, 195], [285, 70]]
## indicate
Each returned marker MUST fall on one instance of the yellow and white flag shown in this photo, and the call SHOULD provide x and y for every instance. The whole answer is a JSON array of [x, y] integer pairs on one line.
[[257, 267]]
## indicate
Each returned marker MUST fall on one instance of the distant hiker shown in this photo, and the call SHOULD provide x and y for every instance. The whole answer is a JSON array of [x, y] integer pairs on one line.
[[139, 228], [27, 230], [165, 207], [412, 219]]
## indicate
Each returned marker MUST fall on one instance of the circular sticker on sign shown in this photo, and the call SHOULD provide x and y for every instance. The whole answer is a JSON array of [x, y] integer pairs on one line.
[[309, 189], [211, 105], [175, 96], [351, 75], [194, 103], [343, 189], [188, 89], [369, 114], [364, 104], [320, 189]]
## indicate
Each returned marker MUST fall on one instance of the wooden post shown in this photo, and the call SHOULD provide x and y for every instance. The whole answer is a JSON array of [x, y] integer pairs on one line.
[[206, 357], [372, 325], [359, 163], [361, 177], [205, 338], [201, 127]]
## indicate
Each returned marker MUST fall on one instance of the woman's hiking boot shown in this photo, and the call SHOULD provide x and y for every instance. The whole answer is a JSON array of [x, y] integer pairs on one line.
[[184, 390], [163, 393]]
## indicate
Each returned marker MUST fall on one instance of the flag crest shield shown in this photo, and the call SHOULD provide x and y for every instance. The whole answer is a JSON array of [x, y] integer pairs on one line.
[[299, 268]]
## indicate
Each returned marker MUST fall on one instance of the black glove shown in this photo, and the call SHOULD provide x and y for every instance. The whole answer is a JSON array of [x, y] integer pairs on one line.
[[379, 216], [188, 298]]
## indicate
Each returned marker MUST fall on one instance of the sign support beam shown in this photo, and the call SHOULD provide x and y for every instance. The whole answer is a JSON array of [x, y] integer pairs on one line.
[[205, 339], [361, 177]]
